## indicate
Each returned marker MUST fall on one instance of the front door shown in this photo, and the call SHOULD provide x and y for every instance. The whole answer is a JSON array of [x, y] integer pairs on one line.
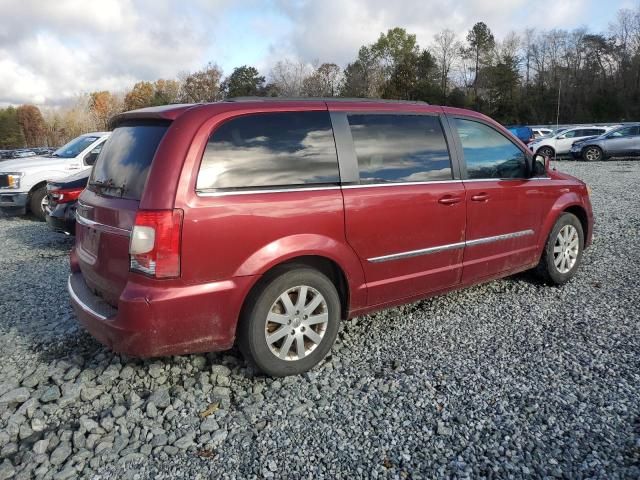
[[623, 142], [503, 205], [405, 218]]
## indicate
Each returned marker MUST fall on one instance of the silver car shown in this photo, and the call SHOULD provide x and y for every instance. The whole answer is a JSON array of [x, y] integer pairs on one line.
[[623, 141]]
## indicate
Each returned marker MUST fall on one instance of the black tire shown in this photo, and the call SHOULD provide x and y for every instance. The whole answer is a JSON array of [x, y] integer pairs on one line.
[[252, 327], [546, 152], [592, 154], [35, 203], [547, 269]]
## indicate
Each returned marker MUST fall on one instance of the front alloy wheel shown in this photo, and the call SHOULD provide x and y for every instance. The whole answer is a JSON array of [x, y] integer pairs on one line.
[[593, 154], [546, 152], [562, 252], [566, 249]]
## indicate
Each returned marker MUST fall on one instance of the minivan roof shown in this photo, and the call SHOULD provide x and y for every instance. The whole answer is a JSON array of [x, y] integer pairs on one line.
[[171, 112]]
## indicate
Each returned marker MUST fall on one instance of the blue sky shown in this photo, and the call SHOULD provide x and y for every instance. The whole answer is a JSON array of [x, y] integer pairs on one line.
[[51, 51]]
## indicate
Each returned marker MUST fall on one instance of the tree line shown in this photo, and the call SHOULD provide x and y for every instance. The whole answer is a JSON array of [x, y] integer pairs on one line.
[[516, 80]]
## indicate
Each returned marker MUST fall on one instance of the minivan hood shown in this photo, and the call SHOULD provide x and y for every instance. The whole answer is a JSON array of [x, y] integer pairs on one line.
[[28, 163]]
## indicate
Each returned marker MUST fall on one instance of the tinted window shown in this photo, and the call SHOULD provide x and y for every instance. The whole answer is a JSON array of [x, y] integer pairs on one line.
[[489, 154], [623, 132], [74, 147], [400, 148], [270, 149], [594, 131], [123, 164], [573, 133]]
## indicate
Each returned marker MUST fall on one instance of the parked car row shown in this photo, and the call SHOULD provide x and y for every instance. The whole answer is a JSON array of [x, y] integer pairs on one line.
[[23, 182], [560, 143], [25, 152], [264, 222], [623, 141]]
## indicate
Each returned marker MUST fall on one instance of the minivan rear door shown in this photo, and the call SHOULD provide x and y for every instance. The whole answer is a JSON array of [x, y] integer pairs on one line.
[[107, 208], [405, 217]]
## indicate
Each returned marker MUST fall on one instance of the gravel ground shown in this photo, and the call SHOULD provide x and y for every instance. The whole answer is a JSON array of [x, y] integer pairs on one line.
[[507, 380]]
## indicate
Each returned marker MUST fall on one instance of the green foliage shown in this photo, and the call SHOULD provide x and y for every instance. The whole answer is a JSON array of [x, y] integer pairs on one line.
[[244, 81], [11, 135]]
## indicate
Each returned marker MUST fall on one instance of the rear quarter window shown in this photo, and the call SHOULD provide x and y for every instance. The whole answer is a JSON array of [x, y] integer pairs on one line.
[[265, 150], [123, 164]]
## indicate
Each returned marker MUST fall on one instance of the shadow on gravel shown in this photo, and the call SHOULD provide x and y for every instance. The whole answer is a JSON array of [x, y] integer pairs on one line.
[[38, 234], [81, 344]]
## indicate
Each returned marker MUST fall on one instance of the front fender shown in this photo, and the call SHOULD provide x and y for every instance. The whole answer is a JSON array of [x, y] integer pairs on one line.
[[288, 248], [565, 201], [30, 180]]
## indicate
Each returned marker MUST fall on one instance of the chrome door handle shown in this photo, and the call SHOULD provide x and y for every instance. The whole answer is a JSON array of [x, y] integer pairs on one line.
[[449, 200], [481, 197]]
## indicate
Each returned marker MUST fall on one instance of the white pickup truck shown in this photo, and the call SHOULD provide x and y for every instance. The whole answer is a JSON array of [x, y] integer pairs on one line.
[[23, 181]]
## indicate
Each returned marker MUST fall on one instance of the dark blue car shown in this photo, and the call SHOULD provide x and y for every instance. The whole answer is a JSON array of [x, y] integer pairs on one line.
[[524, 134]]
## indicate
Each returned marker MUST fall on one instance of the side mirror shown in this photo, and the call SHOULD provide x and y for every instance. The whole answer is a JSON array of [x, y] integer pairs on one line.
[[540, 165], [90, 158]]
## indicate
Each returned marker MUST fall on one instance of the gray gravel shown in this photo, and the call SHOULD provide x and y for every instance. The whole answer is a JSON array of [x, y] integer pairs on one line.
[[507, 380]]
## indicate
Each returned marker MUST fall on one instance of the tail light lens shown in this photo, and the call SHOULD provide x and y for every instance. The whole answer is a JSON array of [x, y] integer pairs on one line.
[[154, 249], [65, 195]]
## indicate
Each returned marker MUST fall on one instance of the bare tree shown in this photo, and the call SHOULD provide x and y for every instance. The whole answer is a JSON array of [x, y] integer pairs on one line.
[[446, 50], [288, 77], [324, 82]]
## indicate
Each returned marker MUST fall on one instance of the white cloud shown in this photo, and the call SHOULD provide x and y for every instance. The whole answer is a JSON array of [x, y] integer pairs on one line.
[[333, 30], [52, 50]]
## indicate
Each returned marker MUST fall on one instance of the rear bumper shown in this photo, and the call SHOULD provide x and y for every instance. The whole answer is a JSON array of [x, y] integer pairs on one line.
[[154, 321], [14, 203]]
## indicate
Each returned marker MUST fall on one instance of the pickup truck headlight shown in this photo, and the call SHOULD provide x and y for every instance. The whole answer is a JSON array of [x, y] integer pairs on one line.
[[13, 180]]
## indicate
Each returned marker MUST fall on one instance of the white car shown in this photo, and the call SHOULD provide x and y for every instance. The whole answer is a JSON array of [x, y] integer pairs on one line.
[[541, 132], [23, 181], [560, 144]]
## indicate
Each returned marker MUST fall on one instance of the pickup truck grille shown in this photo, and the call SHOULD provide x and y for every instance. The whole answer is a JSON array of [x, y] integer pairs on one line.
[[4, 181]]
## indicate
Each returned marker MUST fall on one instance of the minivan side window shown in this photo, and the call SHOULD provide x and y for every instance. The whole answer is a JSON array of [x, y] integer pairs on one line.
[[270, 150], [489, 154], [400, 148]]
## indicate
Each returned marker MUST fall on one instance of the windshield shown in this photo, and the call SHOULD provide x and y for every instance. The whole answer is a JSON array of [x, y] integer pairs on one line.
[[123, 165], [74, 147]]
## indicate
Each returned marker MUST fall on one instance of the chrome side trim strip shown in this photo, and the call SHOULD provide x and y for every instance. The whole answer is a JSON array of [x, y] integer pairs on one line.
[[450, 246], [81, 303], [472, 180], [398, 184], [416, 253], [498, 238], [224, 193], [101, 226]]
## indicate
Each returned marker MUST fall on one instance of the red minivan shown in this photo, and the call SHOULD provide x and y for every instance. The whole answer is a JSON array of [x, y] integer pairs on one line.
[[266, 221]]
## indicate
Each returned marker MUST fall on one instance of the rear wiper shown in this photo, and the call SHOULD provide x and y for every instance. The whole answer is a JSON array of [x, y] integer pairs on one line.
[[107, 184]]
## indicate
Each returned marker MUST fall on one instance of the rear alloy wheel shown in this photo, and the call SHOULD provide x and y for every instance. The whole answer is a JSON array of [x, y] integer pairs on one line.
[[290, 323], [546, 152], [592, 154], [38, 203], [563, 251]]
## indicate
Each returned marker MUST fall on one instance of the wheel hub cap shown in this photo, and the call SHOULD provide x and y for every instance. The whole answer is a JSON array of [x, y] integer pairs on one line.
[[296, 323], [566, 248]]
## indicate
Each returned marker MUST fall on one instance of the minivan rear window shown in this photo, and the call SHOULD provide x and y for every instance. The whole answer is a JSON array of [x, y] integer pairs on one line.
[[265, 150], [123, 165]]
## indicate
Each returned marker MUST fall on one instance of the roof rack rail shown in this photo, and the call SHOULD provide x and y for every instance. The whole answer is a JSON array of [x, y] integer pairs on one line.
[[320, 99]]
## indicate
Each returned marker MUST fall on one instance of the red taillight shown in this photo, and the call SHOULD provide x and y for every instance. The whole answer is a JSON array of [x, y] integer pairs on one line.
[[155, 243], [65, 195]]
